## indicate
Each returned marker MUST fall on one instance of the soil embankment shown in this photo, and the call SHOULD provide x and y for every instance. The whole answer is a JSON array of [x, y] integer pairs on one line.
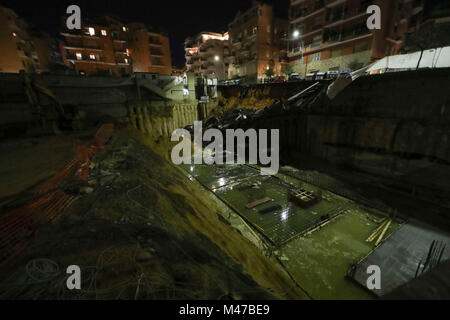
[[142, 230]]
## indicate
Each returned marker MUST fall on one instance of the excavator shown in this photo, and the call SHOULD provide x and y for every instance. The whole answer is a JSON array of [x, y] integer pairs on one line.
[[48, 113], [29, 108]]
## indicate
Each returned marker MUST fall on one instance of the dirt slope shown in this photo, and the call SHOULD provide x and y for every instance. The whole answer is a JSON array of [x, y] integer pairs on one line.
[[145, 231]]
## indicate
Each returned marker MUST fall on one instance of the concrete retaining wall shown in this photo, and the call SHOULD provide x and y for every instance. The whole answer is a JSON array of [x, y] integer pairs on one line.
[[158, 118], [393, 126], [95, 99]]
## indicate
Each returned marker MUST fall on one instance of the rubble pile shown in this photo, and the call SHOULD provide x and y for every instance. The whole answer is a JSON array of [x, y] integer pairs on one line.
[[239, 113]]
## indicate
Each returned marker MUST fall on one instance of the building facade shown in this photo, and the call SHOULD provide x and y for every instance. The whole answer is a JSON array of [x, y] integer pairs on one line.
[[257, 43], [207, 54], [100, 47], [333, 35], [16, 46], [48, 51], [150, 51], [107, 46]]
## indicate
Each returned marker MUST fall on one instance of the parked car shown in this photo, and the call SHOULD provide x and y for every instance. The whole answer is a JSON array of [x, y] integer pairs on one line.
[[295, 77], [311, 76], [279, 79], [320, 76], [332, 74]]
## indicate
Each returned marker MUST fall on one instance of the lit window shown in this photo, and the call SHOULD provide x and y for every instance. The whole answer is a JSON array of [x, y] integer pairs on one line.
[[126, 60], [92, 57], [124, 28], [91, 31], [128, 52], [79, 56], [315, 57], [268, 28], [103, 32]]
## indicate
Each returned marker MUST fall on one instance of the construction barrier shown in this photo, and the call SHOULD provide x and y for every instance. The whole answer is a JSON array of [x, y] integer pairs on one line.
[[20, 225]]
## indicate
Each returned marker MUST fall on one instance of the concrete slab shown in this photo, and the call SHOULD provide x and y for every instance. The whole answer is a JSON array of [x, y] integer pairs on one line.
[[399, 255]]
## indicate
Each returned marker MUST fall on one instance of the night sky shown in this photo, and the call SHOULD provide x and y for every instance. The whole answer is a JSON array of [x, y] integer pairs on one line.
[[179, 18]]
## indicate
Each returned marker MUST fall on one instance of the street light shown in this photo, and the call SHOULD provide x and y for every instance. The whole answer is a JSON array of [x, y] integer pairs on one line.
[[296, 35], [217, 58]]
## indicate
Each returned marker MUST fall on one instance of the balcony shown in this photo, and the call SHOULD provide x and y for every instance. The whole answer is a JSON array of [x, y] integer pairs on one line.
[[84, 58], [156, 53], [155, 42], [119, 38], [157, 62], [319, 4]]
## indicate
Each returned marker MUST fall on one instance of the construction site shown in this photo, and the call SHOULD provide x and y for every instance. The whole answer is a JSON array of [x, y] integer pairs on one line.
[[88, 181]]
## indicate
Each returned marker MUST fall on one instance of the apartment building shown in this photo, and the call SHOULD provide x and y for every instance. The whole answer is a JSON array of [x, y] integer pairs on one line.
[[207, 54], [150, 50], [48, 51], [99, 48], [17, 50], [108, 46], [332, 34], [257, 43]]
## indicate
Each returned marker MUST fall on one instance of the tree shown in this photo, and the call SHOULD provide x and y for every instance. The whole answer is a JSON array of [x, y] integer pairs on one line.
[[269, 73], [287, 69]]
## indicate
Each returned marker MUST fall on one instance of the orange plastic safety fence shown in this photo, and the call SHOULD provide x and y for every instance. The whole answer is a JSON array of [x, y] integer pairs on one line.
[[18, 226]]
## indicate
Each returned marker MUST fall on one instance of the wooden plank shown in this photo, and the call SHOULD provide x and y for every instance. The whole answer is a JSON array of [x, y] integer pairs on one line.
[[257, 202]]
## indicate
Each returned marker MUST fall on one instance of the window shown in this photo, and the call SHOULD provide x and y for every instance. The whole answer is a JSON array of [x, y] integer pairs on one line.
[[79, 56], [92, 57], [315, 57], [103, 32], [91, 31], [268, 54], [124, 28], [128, 52], [268, 28], [317, 41], [126, 60]]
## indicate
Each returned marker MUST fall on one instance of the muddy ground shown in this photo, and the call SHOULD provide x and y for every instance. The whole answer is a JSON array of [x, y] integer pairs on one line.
[[142, 230]]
